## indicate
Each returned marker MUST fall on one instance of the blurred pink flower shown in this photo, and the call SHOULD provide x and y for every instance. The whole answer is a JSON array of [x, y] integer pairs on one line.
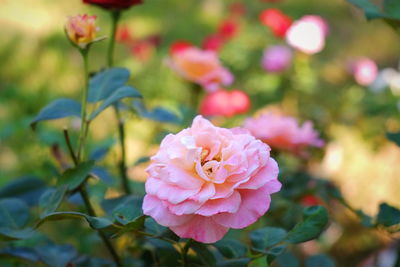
[[81, 29], [213, 42], [202, 67], [205, 180], [225, 103], [284, 133], [308, 34], [365, 71], [277, 58]]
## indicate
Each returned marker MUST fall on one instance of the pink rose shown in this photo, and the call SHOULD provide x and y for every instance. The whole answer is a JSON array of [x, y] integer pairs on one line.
[[308, 34], [284, 132], [205, 180], [277, 58], [365, 71], [225, 103], [202, 67]]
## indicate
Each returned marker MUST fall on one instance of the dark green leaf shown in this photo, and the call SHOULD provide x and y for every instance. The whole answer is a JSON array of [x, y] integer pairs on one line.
[[58, 109], [320, 260], [120, 93], [28, 189], [14, 213], [158, 114], [275, 251], [104, 83], [234, 263], [51, 199], [128, 210], [365, 219], [287, 259], [267, 237], [394, 137], [94, 222], [204, 253], [57, 256], [136, 224], [371, 10], [23, 254], [314, 222], [388, 215], [8, 234], [391, 8], [231, 248], [103, 174], [74, 177]]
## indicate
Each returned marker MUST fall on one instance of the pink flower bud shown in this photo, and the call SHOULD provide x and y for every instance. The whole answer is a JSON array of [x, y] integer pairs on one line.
[[81, 29]]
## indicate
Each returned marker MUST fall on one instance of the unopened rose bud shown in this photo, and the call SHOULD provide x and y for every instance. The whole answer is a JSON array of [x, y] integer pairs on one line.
[[81, 30]]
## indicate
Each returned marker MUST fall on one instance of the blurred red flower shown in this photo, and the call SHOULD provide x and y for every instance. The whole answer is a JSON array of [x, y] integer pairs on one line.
[[179, 46], [310, 200], [225, 103], [114, 4], [228, 29], [277, 21], [213, 42]]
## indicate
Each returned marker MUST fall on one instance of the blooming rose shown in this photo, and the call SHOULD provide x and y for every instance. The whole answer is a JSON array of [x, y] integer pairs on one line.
[[308, 34], [114, 4], [277, 58], [225, 103], [205, 180], [365, 71], [277, 21], [202, 67], [284, 133], [81, 29]]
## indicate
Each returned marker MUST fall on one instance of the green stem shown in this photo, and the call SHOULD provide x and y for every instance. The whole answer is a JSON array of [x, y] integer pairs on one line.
[[69, 145], [84, 122], [82, 138], [185, 250], [115, 16]]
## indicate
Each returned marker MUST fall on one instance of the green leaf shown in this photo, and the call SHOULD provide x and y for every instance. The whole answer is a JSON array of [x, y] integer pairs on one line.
[[120, 93], [314, 222], [128, 210], [76, 176], [104, 83], [231, 248], [14, 216], [267, 237], [388, 215], [287, 259], [319, 261], [57, 256], [234, 263], [58, 109], [51, 199], [94, 222], [136, 224], [259, 262], [392, 9], [394, 137], [204, 254], [371, 10], [29, 189], [158, 114], [21, 254]]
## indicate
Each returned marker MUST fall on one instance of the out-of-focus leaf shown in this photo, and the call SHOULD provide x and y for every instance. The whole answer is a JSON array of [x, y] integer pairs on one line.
[[74, 177], [24, 254], [394, 137], [287, 259], [29, 189], [128, 210], [120, 93], [267, 237], [391, 8], [14, 216], [319, 260], [58, 109], [102, 174], [231, 248], [371, 10], [204, 254], [136, 224], [314, 222], [94, 222], [51, 199], [234, 263], [141, 160], [259, 262], [158, 114], [388, 215], [57, 255], [91, 262], [104, 83], [365, 219]]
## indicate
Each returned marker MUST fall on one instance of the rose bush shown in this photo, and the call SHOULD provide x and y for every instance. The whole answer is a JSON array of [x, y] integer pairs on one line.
[[205, 180]]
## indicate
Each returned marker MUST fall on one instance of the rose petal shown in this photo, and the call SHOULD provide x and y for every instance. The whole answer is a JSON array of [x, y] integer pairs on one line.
[[212, 207], [267, 173]]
